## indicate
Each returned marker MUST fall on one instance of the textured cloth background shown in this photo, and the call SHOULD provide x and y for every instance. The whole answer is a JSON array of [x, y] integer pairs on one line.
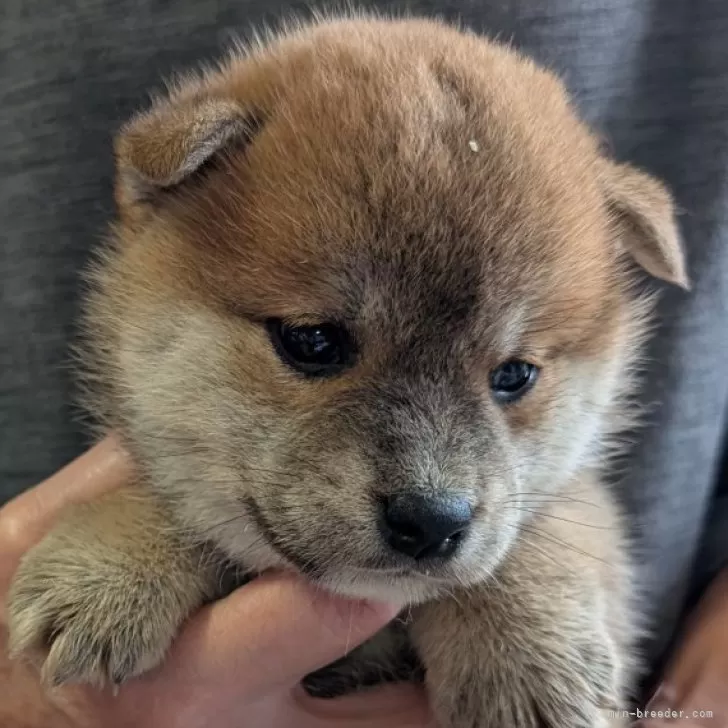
[[651, 74]]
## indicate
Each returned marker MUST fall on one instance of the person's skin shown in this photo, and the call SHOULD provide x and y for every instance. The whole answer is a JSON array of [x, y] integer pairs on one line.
[[236, 664], [697, 678]]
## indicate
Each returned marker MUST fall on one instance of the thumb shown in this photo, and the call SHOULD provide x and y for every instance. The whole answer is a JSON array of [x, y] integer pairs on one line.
[[271, 633]]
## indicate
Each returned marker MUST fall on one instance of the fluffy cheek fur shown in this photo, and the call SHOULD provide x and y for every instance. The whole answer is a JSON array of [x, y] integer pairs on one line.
[[578, 408], [561, 433], [193, 427]]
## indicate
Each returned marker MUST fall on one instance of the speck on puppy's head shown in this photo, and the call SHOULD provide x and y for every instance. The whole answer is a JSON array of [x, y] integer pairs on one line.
[[370, 287]]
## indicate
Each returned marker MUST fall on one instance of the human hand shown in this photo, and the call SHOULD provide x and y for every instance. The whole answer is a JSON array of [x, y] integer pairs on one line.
[[695, 687], [236, 664]]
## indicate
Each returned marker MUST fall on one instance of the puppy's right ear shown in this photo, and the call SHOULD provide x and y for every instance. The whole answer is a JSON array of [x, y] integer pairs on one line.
[[161, 147], [643, 213]]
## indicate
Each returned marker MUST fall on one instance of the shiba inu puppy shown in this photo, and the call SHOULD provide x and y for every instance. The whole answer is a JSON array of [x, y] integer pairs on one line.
[[368, 313]]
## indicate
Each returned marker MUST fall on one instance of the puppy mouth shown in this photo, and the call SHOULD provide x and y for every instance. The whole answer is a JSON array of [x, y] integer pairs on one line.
[[305, 566], [415, 571], [373, 570]]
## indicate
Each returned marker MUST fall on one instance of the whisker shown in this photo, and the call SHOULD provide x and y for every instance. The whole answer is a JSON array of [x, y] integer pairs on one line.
[[560, 496], [565, 520], [545, 554], [538, 533]]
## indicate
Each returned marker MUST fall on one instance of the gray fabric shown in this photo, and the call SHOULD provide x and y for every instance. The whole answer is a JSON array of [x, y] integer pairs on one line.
[[651, 74]]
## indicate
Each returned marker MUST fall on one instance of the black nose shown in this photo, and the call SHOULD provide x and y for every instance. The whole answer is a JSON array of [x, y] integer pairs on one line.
[[426, 525]]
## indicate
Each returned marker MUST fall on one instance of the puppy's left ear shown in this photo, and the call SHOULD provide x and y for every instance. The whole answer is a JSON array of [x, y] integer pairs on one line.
[[644, 215], [170, 142]]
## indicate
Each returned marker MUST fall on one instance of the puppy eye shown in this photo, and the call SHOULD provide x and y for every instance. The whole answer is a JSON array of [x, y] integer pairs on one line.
[[512, 379], [319, 350]]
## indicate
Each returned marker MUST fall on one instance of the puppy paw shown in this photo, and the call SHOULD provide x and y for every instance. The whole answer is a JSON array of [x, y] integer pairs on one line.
[[521, 670], [521, 692], [95, 608], [567, 685]]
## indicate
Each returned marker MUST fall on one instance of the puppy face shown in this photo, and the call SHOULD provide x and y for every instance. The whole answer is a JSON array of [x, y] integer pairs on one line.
[[367, 305]]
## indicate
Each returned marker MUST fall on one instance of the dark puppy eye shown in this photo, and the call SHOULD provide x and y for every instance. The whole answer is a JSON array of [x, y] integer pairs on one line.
[[319, 350], [512, 379]]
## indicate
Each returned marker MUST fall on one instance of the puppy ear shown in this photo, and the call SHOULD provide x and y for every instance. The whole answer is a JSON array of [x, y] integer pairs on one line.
[[644, 214], [161, 147]]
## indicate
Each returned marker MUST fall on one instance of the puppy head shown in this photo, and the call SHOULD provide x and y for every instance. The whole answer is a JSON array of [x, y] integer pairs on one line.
[[369, 302]]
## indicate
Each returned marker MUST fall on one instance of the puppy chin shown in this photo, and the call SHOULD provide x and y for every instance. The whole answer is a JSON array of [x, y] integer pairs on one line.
[[404, 589]]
